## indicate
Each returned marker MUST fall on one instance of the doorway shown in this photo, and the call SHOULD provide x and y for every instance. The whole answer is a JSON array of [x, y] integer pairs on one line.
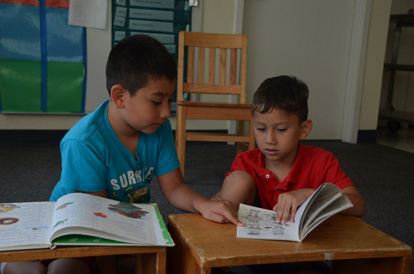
[[396, 118]]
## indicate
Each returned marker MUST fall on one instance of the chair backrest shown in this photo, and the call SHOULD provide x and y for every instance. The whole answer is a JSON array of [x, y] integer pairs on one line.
[[216, 64]]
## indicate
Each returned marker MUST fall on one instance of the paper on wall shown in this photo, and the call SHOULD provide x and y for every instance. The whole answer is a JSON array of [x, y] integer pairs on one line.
[[90, 13]]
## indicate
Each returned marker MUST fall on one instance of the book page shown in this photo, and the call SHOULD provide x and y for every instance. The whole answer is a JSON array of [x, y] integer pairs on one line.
[[80, 213], [261, 224], [25, 225], [161, 231], [319, 204], [326, 193], [333, 208]]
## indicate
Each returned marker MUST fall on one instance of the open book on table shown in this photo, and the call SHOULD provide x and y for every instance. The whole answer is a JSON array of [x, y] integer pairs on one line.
[[80, 219], [261, 223]]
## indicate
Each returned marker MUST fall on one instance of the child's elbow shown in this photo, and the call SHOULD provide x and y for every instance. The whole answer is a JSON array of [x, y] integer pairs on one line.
[[362, 210], [358, 209]]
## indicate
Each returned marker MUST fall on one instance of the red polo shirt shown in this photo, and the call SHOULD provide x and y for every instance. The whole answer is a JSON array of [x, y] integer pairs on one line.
[[313, 166]]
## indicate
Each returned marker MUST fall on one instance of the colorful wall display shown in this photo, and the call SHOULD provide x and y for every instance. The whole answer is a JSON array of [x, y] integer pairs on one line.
[[42, 58]]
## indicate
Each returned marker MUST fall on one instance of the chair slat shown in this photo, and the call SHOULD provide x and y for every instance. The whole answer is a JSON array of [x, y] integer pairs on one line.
[[209, 40], [211, 89], [190, 65], [222, 72], [212, 66], [233, 66], [201, 64]]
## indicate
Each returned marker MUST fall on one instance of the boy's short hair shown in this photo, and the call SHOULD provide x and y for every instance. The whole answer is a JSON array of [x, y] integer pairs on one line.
[[137, 59], [283, 93]]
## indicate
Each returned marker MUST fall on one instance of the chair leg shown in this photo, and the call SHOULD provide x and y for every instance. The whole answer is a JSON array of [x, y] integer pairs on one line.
[[240, 132], [252, 143], [241, 147], [181, 157], [180, 136]]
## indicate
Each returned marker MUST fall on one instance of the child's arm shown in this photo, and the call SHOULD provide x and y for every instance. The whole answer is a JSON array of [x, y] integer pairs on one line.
[[356, 199], [185, 198], [238, 187]]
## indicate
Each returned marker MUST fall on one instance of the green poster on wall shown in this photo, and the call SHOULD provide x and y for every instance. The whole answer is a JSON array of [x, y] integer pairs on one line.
[[42, 58]]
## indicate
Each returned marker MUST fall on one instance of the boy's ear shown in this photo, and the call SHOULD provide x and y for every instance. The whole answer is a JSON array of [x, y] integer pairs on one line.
[[118, 95], [305, 129]]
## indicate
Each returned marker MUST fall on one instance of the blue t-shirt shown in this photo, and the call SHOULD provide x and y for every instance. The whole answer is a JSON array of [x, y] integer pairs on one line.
[[94, 159]]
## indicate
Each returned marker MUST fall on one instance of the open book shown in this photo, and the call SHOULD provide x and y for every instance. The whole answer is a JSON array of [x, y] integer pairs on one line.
[[80, 219], [261, 223]]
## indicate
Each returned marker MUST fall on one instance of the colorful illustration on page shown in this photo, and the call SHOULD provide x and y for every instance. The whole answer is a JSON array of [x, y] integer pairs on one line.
[[64, 205], [4, 208], [60, 223], [100, 214], [8, 221], [128, 210]]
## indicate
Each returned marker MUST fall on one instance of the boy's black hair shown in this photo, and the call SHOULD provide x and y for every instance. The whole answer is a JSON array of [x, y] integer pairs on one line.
[[283, 93], [137, 59]]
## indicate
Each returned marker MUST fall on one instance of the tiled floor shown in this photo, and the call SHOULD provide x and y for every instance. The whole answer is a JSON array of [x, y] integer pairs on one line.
[[403, 139]]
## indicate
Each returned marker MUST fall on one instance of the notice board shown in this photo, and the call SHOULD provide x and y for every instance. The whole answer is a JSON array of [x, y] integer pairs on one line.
[[160, 19]]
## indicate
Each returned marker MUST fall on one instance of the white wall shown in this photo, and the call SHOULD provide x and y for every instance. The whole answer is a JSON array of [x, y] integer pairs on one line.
[[310, 40]]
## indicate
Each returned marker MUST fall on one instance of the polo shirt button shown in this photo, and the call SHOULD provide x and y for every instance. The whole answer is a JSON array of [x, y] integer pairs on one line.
[[267, 176]]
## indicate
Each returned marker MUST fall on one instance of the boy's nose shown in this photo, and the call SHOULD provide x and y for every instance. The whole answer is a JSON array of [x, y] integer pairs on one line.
[[270, 138], [166, 112]]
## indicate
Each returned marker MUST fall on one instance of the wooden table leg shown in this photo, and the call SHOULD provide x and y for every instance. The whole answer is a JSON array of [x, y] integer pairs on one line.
[[180, 259], [151, 263]]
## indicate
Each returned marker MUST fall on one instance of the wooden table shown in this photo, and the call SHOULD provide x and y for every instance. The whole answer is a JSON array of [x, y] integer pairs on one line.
[[352, 245], [149, 260]]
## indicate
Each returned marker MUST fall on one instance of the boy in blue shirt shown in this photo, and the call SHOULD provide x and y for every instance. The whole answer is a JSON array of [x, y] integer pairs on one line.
[[115, 151]]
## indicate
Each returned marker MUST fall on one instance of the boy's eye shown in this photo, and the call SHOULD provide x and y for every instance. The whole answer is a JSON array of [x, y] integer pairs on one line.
[[281, 129], [260, 129], [156, 103]]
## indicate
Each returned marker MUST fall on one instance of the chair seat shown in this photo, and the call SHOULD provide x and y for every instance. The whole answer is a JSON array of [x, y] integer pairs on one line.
[[215, 111], [215, 137], [209, 105]]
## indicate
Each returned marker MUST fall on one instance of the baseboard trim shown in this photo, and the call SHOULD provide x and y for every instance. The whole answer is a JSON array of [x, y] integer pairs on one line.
[[367, 137], [31, 136]]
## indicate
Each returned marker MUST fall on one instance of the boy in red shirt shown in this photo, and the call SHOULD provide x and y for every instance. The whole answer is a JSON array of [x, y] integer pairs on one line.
[[282, 172]]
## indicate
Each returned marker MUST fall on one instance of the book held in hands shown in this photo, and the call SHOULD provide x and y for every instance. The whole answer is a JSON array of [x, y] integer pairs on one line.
[[261, 223], [81, 219]]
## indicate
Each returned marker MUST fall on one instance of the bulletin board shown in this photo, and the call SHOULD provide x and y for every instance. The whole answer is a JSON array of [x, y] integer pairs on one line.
[[162, 20], [42, 58]]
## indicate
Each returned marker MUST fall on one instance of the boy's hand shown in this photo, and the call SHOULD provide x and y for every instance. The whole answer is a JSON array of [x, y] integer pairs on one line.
[[220, 211], [289, 202]]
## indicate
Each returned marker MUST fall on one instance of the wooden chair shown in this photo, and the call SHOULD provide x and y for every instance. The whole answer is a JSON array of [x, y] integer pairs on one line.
[[216, 64]]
